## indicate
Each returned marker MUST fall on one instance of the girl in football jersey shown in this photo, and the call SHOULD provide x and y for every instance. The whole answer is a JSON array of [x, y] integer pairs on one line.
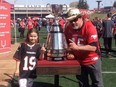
[[26, 58]]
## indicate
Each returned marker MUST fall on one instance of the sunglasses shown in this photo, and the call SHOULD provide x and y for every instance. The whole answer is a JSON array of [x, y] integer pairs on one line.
[[74, 20]]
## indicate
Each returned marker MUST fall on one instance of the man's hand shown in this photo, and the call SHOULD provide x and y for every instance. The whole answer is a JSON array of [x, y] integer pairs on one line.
[[72, 45], [70, 56]]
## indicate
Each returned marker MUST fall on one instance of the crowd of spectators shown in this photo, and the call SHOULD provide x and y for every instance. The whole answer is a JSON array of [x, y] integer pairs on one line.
[[106, 28]]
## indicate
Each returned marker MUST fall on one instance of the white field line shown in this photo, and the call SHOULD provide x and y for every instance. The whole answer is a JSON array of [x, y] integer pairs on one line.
[[109, 72], [112, 58]]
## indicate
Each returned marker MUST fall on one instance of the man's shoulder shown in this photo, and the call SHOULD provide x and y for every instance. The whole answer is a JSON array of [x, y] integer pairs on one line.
[[88, 24], [68, 26]]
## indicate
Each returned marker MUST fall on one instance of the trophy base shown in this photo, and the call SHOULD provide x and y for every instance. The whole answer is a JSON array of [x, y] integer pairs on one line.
[[56, 58], [56, 55]]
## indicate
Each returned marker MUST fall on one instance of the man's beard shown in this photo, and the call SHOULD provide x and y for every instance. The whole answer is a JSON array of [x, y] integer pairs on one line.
[[75, 27]]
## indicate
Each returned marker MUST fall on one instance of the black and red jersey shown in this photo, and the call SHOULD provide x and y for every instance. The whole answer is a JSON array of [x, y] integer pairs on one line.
[[85, 36], [28, 56]]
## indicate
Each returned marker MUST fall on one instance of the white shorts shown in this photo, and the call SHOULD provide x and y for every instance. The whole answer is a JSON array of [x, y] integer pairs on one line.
[[24, 82]]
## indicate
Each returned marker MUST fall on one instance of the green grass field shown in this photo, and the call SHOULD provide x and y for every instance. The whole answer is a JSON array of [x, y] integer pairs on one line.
[[108, 67]]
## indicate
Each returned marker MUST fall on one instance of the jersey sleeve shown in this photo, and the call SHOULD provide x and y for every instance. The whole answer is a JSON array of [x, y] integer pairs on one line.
[[17, 54], [92, 35]]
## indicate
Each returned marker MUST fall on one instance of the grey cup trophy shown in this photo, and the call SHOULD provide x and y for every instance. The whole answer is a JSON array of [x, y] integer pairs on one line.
[[56, 43], [56, 9]]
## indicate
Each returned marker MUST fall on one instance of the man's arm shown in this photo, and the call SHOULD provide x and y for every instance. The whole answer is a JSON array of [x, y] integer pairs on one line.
[[73, 46]]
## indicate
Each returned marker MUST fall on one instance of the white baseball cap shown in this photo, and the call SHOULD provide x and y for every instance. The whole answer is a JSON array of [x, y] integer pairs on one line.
[[73, 13]]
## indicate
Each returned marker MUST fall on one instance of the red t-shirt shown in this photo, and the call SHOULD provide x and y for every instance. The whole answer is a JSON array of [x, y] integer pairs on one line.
[[36, 23], [30, 24], [85, 36], [22, 24], [62, 23]]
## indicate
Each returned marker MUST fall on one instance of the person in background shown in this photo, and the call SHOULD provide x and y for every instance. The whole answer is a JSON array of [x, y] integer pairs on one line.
[[82, 39], [49, 23], [22, 27], [30, 23], [12, 23], [61, 22], [36, 24], [26, 56], [85, 17], [40, 23], [98, 24], [108, 28], [114, 32]]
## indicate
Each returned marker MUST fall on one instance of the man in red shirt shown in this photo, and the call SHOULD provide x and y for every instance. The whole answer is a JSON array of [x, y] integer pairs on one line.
[[30, 23], [82, 39]]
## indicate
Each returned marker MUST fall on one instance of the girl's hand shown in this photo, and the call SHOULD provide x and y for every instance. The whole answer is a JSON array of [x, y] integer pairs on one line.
[[43, 48], [41, 57], [17, 72]]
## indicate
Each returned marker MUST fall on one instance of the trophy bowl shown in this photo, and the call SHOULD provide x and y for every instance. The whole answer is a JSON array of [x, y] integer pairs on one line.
[[56, 9]]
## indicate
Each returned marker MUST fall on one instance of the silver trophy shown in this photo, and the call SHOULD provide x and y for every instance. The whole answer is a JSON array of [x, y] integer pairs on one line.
[[56, 9], [56, 43]]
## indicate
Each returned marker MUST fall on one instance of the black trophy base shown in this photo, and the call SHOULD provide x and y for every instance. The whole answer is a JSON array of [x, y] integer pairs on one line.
[[56, 58]]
